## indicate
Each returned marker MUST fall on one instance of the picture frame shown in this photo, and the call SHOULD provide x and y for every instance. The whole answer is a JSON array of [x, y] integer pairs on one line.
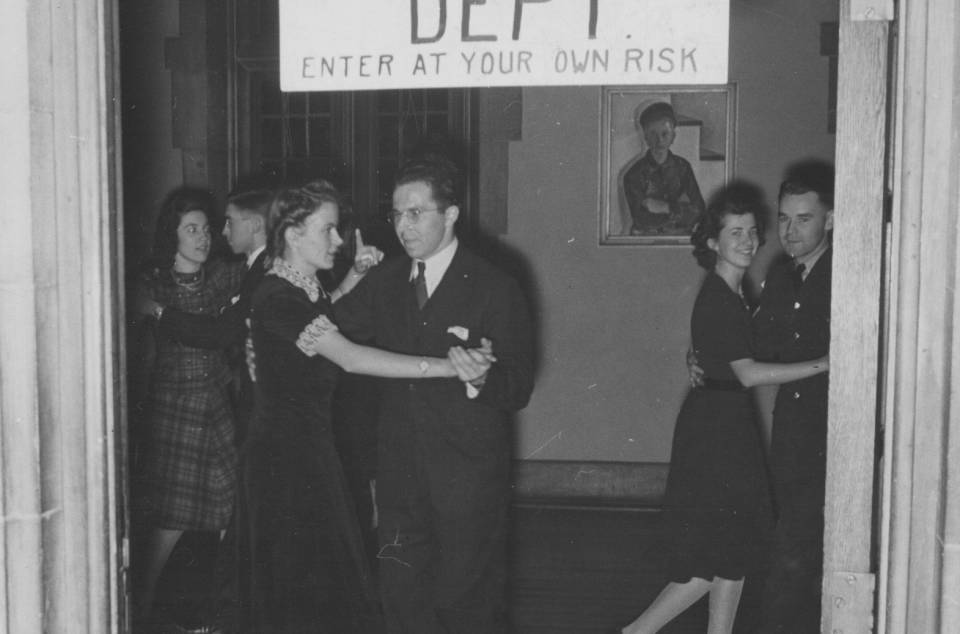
[[643, 201]]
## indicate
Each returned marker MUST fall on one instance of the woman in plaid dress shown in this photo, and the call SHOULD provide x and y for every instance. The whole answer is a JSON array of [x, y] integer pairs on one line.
[[189, 457]]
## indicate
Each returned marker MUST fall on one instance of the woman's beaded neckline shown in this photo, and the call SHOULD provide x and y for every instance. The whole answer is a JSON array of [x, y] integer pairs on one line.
[[308, 285], [190, 280]]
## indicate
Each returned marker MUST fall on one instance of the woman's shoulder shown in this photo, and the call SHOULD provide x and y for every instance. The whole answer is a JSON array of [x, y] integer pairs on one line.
[[272, 286], [278, 303], [274, 290], [713, 285], [715, 294]]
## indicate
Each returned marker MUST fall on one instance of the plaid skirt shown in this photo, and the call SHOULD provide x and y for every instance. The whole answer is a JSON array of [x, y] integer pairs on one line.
[[190, 460]]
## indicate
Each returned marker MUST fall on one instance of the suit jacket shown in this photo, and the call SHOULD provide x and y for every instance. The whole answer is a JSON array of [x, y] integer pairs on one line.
[[216, 331], [434, 416]]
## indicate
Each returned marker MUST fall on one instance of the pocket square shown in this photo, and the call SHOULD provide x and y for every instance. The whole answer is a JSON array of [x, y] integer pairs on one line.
[[459, 332]]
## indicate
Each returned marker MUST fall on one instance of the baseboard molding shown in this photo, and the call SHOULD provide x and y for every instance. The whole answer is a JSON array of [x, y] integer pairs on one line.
[[571, 483]]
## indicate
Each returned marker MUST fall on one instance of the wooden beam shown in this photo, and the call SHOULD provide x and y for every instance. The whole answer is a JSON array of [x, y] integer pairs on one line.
[[855, 314]]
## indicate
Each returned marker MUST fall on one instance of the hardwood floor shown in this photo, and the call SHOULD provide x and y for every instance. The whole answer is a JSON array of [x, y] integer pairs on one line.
[[586, 571], [591, 570], [576, 570]]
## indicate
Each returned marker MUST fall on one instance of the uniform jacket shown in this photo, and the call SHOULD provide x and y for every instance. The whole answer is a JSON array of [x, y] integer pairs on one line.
[[793, 324]]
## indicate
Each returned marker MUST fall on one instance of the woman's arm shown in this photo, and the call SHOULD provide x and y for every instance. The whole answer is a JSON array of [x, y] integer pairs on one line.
[[367, 256], [321, 337], [764, 399], [750, 372], [351, 279]]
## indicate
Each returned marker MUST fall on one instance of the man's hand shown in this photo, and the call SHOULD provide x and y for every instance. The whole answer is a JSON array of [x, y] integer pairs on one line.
[[473, 364], [694, 371], [367, 256]]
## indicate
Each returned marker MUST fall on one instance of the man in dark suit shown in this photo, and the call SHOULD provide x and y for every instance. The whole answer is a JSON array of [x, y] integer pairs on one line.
[[445, 446], [793, 324]]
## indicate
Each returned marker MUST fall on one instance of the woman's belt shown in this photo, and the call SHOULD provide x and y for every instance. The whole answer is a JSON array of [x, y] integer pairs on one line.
[[723, 385]]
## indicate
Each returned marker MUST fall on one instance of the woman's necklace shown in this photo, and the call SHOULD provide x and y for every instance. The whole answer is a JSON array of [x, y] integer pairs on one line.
[[190, 281]]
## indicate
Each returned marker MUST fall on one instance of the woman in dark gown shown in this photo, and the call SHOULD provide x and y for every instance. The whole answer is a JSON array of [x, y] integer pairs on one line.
[[716, 506], [308, 571]]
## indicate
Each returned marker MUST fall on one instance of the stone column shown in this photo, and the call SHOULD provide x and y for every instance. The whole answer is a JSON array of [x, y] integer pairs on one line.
[[59, 300]]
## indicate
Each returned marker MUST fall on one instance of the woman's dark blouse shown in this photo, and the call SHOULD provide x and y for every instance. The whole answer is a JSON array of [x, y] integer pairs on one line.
[[300, 520], [720, 328], [293, 390]]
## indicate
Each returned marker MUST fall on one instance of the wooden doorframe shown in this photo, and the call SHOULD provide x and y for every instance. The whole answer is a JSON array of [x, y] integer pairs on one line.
[[912, 277], [920, 522], [848, 580]]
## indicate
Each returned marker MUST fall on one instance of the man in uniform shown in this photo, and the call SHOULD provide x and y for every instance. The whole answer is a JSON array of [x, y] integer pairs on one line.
[[793, 324]]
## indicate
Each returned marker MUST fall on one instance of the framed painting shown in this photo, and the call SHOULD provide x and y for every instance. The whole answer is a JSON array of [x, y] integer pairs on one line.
[[664, 151]]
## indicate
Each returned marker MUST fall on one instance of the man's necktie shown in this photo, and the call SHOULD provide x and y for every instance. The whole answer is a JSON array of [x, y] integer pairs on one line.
[[420, 284], [798, 275]]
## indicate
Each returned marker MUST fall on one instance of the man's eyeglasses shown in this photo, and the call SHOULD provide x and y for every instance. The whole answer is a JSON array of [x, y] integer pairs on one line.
[[412, 215]]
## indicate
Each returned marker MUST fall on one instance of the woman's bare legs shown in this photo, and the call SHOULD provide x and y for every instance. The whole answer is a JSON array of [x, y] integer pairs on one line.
[[677, 597], [724, 600], [160, 544], [671, 601]]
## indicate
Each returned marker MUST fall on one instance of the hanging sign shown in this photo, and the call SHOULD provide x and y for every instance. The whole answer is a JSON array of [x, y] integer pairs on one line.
[[379, 44]]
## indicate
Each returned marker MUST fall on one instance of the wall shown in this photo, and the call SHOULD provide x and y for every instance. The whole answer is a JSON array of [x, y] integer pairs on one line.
[[615, 320], [152, 166], [174, 93]]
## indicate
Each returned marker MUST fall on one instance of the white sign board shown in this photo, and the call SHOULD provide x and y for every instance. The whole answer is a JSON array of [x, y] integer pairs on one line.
[[379, 44]]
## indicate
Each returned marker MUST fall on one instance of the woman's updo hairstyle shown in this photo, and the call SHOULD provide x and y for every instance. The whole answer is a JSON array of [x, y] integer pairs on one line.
[[732, 201], [292, 207]]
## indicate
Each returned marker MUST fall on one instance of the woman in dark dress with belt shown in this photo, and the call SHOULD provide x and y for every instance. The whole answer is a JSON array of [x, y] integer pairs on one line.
[[716, 506], [307, 570]]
